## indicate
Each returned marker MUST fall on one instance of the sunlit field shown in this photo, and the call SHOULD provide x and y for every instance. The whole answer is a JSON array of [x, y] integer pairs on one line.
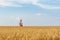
[[29, 33]]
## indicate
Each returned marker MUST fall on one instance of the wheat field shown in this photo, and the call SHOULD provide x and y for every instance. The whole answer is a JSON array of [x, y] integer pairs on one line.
[[30, 33]]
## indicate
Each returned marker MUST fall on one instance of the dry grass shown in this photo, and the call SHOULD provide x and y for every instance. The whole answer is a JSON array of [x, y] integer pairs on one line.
[[29, 33]]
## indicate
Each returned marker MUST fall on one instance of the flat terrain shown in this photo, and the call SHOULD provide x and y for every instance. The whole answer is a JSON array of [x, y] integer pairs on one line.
[[30, 33]]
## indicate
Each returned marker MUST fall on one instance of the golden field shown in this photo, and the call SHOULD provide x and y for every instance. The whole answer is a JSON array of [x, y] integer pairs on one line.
[[30, 33]]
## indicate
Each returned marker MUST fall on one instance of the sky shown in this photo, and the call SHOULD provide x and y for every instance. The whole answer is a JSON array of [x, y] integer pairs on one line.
[[32, 12]]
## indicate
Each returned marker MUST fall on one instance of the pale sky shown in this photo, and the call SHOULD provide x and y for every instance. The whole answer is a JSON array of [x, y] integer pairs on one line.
[[32, 12]]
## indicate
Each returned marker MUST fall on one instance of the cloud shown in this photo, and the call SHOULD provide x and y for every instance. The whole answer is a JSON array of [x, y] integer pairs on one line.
[[14, 3], [18, 3], [4, 3], [46, 6], [39, 14]]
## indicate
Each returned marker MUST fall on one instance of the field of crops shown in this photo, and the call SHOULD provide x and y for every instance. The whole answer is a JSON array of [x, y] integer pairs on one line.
[[30, 33]]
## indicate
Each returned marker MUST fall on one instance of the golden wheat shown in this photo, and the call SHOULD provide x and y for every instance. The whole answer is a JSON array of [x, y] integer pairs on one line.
[[29, 33]]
